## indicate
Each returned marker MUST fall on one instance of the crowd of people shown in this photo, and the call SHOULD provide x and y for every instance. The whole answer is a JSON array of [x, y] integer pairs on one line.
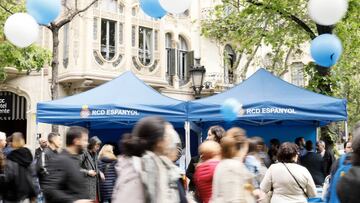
[[230, 167]]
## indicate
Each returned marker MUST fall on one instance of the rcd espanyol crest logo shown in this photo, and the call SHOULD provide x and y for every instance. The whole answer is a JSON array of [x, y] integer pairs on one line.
[[85, 112]]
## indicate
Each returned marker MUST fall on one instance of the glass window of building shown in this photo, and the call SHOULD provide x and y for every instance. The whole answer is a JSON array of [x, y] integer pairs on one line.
[[108, 47], [146, 44], [297, 74], [229, 63], [168, 47], [182, 59]]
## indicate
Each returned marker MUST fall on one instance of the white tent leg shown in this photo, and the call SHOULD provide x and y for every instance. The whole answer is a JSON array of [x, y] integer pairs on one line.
[[187, 144]]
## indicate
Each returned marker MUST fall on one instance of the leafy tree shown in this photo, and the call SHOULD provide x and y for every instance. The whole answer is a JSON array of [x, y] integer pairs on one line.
[[71, 10], [285, 27], [28, 59]]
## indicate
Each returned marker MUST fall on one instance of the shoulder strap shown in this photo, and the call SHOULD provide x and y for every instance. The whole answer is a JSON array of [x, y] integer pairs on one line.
[[307, 196]]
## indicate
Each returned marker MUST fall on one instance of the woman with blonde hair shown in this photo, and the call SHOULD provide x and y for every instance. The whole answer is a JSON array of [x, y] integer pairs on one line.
[[107, 162], [232, 181], [18, 140]]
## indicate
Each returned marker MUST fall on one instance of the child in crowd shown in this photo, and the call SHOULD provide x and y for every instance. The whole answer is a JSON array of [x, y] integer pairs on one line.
[[210, 155]]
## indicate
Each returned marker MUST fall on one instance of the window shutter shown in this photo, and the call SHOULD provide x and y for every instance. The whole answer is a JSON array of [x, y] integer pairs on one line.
[[189, 63], [172, 61]]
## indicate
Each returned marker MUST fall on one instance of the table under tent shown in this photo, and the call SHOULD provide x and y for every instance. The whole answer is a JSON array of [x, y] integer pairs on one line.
[[273, 108]]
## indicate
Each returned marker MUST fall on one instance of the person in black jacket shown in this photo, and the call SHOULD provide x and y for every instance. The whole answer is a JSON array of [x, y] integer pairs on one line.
[[327, 155], [47, 155], [18, 173], [314, 163], [43, 145], [90, 168], [66, 184]]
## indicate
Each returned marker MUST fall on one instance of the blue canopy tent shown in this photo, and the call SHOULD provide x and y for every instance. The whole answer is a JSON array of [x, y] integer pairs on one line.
[[113, 108], [273, 108], [113, 105]]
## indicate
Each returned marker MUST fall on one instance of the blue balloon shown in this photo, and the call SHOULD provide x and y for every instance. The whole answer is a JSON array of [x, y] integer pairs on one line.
[[230, 109], [326, 50], [44, 11], [152, 8]]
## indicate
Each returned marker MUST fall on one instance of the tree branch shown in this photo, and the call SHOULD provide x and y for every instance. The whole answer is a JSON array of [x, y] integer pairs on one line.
[[66, 6], [6, 9], [292, 17], [72, 16]]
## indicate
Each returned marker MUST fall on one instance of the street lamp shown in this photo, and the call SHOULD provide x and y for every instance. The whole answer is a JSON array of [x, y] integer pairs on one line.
[[197, 76]]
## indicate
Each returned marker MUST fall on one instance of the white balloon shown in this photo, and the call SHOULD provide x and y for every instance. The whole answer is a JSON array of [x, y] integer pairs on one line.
[[21, 29], [175, 6], [327, 12]]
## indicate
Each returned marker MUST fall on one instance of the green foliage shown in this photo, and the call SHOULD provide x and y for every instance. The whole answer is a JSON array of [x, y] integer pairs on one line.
[[249, 24], [284, 25], [27, 59]]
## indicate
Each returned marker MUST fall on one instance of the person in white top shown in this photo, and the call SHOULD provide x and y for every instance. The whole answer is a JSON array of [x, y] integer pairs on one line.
[[288, 181]]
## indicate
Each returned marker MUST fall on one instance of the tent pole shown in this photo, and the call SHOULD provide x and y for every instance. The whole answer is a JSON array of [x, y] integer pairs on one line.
[[187, 144], [37, 136], [346, 131]]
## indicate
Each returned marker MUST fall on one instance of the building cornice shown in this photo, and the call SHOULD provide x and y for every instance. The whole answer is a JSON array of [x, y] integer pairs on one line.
[[105, 77]]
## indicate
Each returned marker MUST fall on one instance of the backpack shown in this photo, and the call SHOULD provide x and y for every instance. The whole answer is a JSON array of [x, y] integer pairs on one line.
[[19, 182], [343, 168]]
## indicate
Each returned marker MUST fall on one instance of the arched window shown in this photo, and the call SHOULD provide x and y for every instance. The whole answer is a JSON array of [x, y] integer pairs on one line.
[[107, 29], [108, 39], [146, 45], [183, 60], [229, 63]]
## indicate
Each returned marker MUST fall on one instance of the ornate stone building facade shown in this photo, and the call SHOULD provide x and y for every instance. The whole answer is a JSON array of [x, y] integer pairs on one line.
[[115, 36]]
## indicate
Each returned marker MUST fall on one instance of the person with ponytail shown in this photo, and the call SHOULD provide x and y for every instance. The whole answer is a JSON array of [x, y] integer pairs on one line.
[[232, 181]]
